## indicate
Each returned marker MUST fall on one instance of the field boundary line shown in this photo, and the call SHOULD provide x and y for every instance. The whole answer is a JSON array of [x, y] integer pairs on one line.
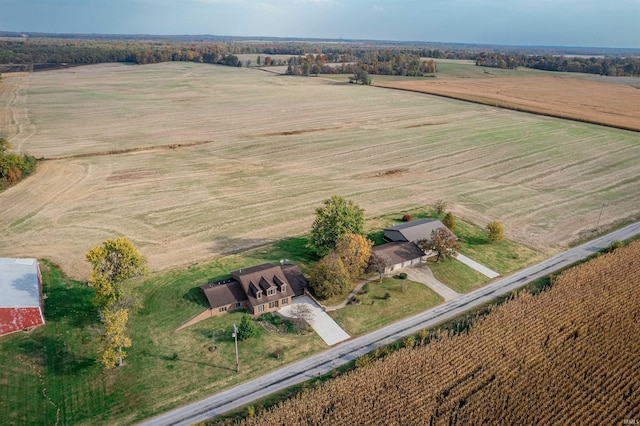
[[498, 104], [172, 146]]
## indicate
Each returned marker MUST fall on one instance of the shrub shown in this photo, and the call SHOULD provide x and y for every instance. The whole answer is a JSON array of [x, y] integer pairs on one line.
[[496, 231], [406, 218], [387, 295], [277, 354], [614, 245], [440, 206], [365, 289], [247, 328], [402, 276]]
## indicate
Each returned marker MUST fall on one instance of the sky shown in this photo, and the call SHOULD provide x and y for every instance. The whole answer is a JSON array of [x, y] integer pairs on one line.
[[589, 23]]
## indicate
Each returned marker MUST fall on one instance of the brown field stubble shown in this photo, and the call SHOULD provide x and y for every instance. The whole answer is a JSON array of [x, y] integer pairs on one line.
[[613, 105], [255, 153], [569, 355]]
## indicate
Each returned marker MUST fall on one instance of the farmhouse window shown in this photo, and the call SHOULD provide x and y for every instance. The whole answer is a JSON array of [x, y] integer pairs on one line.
[[285, 301], [238, 304], [273, 304], [223, 309], [261, 308]]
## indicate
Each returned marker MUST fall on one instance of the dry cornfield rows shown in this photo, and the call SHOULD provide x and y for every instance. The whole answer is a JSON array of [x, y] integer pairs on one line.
[[258, 152], [591, 101], [568, 355]]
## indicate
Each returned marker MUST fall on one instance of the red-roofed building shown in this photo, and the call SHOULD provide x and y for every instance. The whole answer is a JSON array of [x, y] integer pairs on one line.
[[20, 295]]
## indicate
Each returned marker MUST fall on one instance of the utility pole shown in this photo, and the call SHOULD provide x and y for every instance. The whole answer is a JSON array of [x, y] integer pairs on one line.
[[603, 205], [235, 335]]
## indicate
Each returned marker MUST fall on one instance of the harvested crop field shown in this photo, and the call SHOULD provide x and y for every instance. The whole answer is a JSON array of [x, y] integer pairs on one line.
[[192, 160], [591, 101]]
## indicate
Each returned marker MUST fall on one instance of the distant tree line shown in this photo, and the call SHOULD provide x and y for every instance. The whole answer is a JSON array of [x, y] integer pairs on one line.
[[377, 63], [619, 66], [311, 57]]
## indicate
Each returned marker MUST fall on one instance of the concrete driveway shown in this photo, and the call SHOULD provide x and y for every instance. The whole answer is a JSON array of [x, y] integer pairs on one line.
[[422, 274], [323, 324]]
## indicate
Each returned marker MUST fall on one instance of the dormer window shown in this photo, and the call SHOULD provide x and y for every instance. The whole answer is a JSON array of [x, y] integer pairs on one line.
[[271, 292], [283, 288], [259, 294]]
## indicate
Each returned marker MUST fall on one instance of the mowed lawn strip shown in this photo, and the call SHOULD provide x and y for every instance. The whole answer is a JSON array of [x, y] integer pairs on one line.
[[375, 310]]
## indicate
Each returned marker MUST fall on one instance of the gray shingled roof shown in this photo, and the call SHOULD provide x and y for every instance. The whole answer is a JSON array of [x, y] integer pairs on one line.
[[414, 230], [399, 252]]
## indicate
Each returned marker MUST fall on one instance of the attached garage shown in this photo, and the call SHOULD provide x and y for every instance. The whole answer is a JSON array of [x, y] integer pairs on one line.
[[20, 295], [401, 254]]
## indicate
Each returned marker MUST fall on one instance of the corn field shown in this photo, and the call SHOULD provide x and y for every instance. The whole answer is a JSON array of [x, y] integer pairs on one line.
[[568, 355]]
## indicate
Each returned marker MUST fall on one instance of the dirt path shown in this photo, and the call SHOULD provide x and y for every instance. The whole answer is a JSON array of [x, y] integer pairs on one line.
[[14, 116]]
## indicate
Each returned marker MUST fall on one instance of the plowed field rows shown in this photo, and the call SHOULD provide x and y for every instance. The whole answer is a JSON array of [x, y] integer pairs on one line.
[[254, 153]]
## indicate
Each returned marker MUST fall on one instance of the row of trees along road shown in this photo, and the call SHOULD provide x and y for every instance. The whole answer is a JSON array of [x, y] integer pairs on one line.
[[112, 264]]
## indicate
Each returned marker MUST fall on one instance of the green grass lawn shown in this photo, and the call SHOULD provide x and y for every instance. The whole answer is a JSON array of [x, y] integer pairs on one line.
[[164, 368], [457, 276], [51, 373], [375, 311]]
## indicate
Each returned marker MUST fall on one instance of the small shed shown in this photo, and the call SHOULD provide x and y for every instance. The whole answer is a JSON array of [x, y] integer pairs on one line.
[[20, 295]]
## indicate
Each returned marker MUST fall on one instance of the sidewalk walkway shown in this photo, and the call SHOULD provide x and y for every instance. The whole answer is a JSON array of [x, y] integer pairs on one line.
[[478, 267]]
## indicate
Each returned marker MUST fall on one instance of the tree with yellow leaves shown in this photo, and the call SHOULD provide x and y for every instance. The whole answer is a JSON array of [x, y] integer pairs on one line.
[[354, 250], [112, 264], [113, 338]]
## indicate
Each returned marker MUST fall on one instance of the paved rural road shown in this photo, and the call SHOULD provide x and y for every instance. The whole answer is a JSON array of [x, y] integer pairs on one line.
[[323, 362]]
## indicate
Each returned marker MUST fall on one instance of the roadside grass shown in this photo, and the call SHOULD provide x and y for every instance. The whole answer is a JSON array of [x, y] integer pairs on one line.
[[376, 311], [502, 256], [457, 276]]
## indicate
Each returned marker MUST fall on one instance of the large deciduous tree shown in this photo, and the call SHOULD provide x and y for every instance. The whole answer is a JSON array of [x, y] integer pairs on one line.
[[443, 242], [354, 250], [112, 263], [329, 277], [338, 216], [496, 231]]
